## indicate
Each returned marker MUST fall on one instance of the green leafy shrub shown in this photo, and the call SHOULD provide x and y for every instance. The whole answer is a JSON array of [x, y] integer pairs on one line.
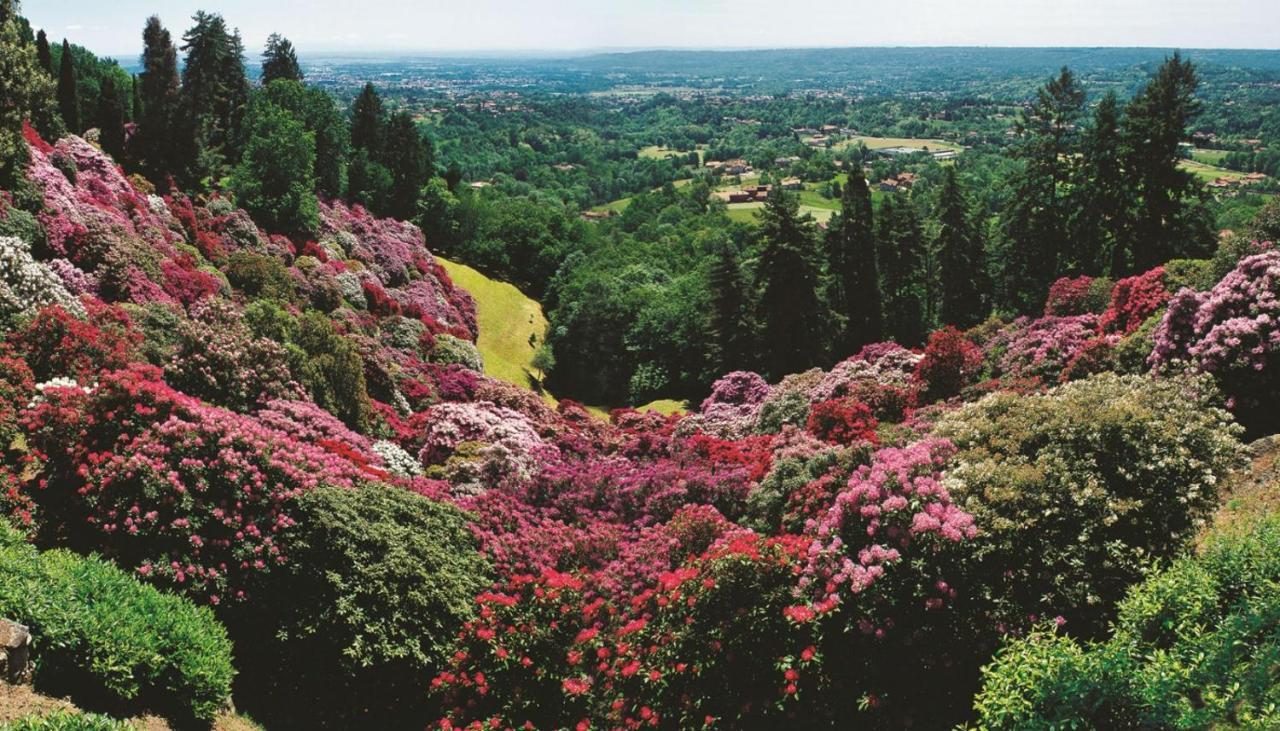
[[111, 642], [332, 370], [1195, 647], [1079, 490], [449, 349], [1131, 353], [1197, 274], [259, 276], [67, 721], [388, 577]]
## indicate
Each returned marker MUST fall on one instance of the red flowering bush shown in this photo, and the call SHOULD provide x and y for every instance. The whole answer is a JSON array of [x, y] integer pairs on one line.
[[1133, 300], [55, 343], [951, 362], [189, 495], [842, 421], [1068, 296]]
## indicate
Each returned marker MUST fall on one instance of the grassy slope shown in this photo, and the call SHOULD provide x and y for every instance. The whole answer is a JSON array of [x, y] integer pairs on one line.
[[879, 143], [511, 328]]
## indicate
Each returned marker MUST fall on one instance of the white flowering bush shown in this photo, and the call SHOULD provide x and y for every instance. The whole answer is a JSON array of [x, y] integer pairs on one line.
[[1078, 491], [27, 285], [396, 460]]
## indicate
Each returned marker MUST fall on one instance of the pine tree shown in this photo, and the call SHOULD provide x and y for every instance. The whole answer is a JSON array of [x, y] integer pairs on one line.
[[111, 118], [787, 274], [158, 93], [1102, 197], [68, 98], [854, 289], [960, 257], [214, 90], [901, 257], [409, 160], [279, 61], [367, 121], [1170, 219], [728, 320], [43, 54], [1035, 224]]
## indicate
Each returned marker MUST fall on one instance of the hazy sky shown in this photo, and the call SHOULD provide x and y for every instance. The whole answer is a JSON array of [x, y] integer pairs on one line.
[[115, 26]]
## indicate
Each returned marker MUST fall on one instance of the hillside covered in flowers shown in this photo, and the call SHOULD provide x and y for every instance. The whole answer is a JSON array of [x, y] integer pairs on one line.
[[250, 464], [297, 436]]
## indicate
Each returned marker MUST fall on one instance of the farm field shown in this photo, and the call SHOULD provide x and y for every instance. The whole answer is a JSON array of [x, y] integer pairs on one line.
[[880, 143], [1208, 173]]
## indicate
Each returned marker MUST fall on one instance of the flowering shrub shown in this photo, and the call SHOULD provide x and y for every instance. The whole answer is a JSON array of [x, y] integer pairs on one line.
[[505, 443], [26, 284], [1039, 348], [842, 421], [218, 359], [950, 363], [195, 497], [449, 350], [788, 402], [1068, 296], [1078, 490], [731, 409], [1133, 300], [1232, 332], [56, 343]]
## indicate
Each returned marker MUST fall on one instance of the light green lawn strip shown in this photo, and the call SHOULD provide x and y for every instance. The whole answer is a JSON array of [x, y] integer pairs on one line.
[[879, 143]]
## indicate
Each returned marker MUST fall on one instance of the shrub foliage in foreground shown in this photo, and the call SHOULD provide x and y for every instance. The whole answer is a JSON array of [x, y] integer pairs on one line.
[[1194, 647], [67, 721], [356, 624], [1079, 489], [111, 642]]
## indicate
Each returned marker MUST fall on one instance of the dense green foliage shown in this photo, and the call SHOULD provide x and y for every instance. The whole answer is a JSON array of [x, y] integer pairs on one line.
[[110, 641]]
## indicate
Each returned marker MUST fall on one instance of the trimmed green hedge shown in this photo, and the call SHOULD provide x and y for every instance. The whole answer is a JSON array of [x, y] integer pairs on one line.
[[111, 642]]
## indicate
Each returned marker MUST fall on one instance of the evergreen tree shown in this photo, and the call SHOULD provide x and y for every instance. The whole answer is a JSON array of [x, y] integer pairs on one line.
[[854, 288], [901, 258], [135, 100], [275, 180], [68, 97], [26, 92], [1035, 224], [279, 60], [111, 118], [368, 181], [367, 121], [1170, 219], [1102, 197], [43, 54], [409, 159], [728, 324], [215, 91], [787, 276], [316, 110], [960, 257], [158, 93]]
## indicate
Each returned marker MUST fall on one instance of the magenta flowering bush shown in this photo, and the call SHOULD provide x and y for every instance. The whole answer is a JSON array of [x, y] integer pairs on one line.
[[1039, 348], [189, 495], [1231, 331]]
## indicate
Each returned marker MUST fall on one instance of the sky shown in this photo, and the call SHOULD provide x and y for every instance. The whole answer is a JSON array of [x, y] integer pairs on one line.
[[114, 27]]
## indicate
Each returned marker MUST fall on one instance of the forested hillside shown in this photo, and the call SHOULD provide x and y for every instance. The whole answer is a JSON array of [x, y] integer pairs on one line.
[[958, 457]]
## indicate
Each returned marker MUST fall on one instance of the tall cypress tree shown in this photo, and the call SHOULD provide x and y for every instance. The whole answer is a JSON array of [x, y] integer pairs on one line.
[[279, 61], [68, 97], [960, 257], [1035, 224], [1170, 219], [158, 92], [367, 121], [43, 54], [728, 320], [854, 288], [1103, 197], [787, 275], [111, 117], [135, 100], [901, 255], [215, 91]]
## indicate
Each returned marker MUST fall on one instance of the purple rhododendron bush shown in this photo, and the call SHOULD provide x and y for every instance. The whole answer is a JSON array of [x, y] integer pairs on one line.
[[297, 433]]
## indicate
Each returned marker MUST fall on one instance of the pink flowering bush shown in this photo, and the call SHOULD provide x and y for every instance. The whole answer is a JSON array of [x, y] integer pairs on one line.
[[502, 444], [1231, 331], [1039, 348], [191, 496]]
